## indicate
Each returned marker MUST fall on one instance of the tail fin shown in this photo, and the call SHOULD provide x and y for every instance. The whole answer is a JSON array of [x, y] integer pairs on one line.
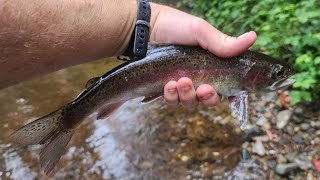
[[47, 131]]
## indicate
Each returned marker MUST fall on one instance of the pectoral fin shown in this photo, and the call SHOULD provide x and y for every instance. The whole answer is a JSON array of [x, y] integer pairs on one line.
[[239, 107]]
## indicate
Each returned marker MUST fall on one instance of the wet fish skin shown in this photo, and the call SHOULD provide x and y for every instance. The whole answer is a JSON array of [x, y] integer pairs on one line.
[[248, 72]]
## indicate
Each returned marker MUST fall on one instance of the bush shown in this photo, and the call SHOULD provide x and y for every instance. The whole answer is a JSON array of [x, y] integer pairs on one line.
[[289, 30]]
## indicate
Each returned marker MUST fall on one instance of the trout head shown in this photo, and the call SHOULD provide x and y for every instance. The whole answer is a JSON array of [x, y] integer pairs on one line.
[[264, 73]]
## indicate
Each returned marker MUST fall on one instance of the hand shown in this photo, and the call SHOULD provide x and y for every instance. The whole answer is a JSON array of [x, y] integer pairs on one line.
[[172, 26]]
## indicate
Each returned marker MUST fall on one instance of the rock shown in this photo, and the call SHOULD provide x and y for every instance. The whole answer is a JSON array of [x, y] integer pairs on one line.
[[262, 121], [284, 169], [251, 131], [303, 163], [315, 124], [298, 139], [258, 148], [291, 156], [281, 159], [297, 119], [290, 130], [283, 118], [316, 140], [298, 110], [304, 126], [259, 108], [245, 154], [318, 133], [271, 164]]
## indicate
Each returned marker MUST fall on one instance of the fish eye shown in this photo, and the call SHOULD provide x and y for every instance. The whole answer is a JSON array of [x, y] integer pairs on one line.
[[279, 72]]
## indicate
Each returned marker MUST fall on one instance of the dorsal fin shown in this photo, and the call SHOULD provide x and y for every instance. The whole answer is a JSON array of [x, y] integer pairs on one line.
[[91, 82]]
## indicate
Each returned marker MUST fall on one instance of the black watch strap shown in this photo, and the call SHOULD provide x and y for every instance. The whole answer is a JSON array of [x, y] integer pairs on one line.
[[138, 44]]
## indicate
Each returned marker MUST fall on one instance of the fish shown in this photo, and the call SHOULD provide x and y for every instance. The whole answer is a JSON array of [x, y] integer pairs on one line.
[[234, 77]]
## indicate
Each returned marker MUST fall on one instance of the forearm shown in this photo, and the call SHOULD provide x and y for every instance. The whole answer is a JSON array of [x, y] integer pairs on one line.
[[37, 37]]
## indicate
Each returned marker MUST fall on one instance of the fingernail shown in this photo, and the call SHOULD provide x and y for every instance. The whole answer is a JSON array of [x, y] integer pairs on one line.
[[244, 35], [206, 97], [186, 88], [172, 91]]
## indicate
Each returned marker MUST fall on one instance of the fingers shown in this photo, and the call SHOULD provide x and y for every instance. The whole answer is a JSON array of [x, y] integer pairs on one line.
[[171, 93], [187, 93], [207, 95], [183, 91]]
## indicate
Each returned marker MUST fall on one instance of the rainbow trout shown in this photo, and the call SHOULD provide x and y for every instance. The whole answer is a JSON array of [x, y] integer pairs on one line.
[[232, 77]]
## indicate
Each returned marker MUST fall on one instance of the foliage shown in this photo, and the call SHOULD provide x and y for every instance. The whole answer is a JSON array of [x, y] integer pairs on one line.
[[289, 30]]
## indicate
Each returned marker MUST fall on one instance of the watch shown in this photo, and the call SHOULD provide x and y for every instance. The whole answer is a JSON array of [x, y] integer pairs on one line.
[[138, 45]]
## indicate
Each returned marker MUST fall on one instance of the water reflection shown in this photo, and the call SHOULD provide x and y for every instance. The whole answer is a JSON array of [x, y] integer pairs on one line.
[[150, 141]]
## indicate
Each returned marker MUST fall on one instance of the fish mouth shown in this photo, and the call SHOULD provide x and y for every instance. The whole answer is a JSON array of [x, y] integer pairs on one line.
[[281, 84]]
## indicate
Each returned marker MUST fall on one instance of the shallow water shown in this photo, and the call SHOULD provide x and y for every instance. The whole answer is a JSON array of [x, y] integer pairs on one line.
[[151, 141]]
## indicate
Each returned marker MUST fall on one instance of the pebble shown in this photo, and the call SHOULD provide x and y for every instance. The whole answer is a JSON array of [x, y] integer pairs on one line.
[[318, 133], [262, 121], [297, 119], [284, 169], [316, 140], [272, 164], [298, 110], [315, 124], [281, 159], [291, 156], [283, 118], [304, 126], [258, 148], [290, 130], [184, 158], [303, 163], [297, 139]]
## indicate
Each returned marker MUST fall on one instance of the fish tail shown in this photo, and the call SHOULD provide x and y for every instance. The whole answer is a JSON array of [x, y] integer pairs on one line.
[[49, 132]]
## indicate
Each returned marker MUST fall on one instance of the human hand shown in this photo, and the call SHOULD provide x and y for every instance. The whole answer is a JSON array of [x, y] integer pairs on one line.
[[171, 26]]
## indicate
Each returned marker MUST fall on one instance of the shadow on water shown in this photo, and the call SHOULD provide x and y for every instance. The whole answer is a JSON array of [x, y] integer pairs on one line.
[[151, 141]]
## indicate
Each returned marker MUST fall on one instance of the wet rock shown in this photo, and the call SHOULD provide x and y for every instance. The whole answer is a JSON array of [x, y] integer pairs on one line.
[[259, 108], [297, 119], [245, 154], [262, 121], [298, 110], [304, 126], [284, 169], [303, 162], [258, 148], [281, 159], [316, 141], [315, 124], [272, 164], [291, 156], [251, 131], [283, 118], [290, 130], [297, 139]]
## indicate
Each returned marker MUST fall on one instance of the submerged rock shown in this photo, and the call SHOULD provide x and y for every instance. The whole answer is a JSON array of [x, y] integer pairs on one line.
[[284, 169]]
